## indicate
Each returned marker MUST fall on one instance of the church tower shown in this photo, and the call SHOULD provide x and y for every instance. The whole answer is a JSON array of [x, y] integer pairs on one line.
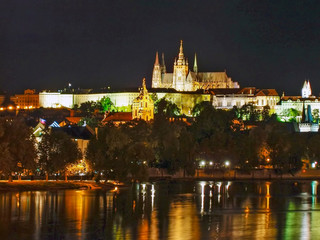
[[143, 106], [163, 65], [306, 89], [195, 65], [156, 74], [180, 71]]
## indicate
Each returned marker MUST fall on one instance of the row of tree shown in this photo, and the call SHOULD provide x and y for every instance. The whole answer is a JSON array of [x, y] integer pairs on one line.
[[130, 149], [215, 136], [21, 153]]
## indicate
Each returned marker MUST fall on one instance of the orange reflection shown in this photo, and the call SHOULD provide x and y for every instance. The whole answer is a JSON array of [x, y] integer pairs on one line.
[[183, 221]]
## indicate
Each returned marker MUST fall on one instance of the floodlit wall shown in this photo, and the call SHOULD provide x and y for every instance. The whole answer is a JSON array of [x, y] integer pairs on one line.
[[185, 101], [55, 100]]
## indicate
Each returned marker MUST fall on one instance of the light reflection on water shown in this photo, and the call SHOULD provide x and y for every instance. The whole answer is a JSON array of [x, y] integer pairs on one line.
[[162, 210]]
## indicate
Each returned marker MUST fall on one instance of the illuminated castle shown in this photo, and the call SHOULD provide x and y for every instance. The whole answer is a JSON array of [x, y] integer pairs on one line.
[[183, 79]]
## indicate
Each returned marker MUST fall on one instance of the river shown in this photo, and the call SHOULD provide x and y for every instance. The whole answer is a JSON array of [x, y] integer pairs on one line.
[[166, 210]]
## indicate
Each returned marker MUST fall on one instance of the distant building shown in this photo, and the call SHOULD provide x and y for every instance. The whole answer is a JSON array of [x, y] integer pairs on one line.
[[142, 106], [184, 79], [184, 100], [307, 124], [117, 118], [28, 100], [303, 109], [228, 98], [306, 89]]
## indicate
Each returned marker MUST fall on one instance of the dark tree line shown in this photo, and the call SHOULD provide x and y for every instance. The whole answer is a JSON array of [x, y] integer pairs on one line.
[[20, 153], [166, 143], [214, 136]]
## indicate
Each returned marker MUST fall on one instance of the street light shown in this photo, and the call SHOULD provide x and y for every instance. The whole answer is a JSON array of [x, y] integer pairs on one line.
[[227, 163]]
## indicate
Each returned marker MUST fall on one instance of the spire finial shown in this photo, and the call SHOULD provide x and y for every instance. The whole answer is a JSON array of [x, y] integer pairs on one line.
[[156, 62], [195, 65], [144, 83], [181, 56], [163, 65]]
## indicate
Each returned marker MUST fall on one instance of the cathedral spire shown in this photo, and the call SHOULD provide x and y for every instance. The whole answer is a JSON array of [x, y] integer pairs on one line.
[[306, 89], [156, 62], [163, 65], [181, 55], [144, 87], [195, 65]]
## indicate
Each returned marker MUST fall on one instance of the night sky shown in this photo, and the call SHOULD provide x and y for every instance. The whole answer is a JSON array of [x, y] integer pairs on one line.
[[95, 43]]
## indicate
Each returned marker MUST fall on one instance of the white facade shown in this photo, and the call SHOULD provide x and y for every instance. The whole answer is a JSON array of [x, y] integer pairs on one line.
[[258, 97], [57, 99], [298, 103], [185, 101]]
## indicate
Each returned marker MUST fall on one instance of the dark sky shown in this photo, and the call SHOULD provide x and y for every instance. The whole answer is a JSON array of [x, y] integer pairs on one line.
[[97, 43]]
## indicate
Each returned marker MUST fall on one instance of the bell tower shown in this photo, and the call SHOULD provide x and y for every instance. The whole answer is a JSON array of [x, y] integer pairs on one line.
[[306, 89], [156, 74], [180, 71]]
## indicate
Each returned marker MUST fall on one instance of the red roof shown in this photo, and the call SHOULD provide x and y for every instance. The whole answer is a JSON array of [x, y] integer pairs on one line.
[[117, 117]]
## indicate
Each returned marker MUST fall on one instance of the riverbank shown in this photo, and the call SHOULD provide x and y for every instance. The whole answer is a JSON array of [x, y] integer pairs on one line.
[[53, 185], [257, 174]]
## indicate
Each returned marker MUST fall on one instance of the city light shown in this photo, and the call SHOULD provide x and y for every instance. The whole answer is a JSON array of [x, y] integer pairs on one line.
[[227, 163]]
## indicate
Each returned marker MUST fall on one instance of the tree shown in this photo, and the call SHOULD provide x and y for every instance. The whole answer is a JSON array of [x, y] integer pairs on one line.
[[166, 108], [107, 153], [291, 114], [107, 105], [248, 112], [277, 140], [265, 114], [93, 122], [17, 147], [165, 136], [88, 108], [56, 151], [315, 115], [313, 150], [187, 152], [200, 107]]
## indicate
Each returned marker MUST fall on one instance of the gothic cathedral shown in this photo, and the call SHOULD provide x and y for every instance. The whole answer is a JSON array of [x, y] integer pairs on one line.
[[183, 79]]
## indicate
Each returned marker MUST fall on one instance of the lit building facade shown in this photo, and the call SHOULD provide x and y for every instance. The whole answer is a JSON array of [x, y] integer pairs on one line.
[[295, 107], [228, 98], [185, 101], [142, 106], [28, 100], [183, 79]]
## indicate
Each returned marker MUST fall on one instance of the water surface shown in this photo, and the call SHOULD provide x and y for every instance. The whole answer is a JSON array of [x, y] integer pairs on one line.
[[163, 210]]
